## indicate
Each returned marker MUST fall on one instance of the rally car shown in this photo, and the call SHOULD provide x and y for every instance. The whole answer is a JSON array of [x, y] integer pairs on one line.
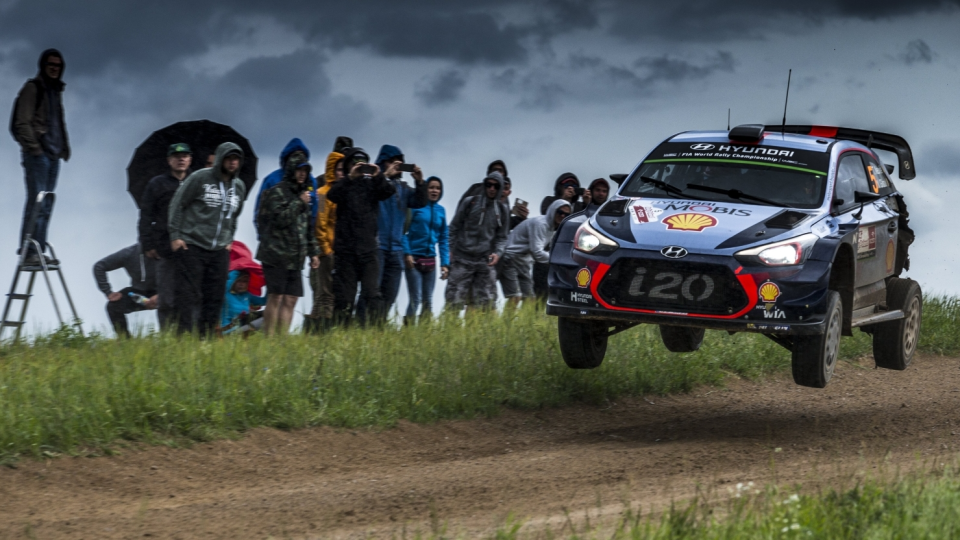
[[795, 232]]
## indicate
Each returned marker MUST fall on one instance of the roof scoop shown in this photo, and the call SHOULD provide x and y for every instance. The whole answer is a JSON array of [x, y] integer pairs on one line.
[[746, 133]]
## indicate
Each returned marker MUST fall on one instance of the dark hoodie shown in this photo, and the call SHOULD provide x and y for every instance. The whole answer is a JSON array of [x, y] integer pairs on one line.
[[358, 206], [37, 122], [481, 225], [477, 189], [286, 230], [592, 208], [274, 178], [393, 211], [204, 209], [558, 192]]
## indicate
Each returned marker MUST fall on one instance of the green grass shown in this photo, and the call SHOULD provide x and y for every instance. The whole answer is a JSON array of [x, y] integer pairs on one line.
[[66, 393]]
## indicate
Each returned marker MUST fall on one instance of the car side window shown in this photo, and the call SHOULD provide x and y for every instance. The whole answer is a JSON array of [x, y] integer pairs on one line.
[[877, 178], [851, 177]]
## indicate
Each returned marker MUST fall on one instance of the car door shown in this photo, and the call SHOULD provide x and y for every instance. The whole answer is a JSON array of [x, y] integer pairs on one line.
[[872, 237]]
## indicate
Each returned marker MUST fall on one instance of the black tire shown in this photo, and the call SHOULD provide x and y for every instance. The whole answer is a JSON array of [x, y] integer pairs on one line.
[[815, 357], [583, 344], [895, 342], [681, 339]]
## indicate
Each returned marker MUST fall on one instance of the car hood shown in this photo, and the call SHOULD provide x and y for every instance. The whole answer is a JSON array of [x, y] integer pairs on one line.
[[702, 226]]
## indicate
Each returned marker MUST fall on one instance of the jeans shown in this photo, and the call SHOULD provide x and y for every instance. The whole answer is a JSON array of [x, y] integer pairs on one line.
[[420, 288], [348, 270], [40, 174], [389, 276], [201, 287]]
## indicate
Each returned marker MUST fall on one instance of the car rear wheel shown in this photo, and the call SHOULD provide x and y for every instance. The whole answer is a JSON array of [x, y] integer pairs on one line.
[[583, 343], [681, 339], [815, 357], [895, 342]]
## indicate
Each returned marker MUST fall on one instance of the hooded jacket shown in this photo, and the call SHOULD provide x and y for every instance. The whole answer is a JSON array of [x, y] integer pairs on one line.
[[558, 192], [428, 228], [204, 209], [154, 210], [528, 242], [38, 109], [358, 206], [592, 208], [327, 214], [235, 304], [393, 211], [141, 269], [274, 178], [286, 230], [480, 227], [477, 189]]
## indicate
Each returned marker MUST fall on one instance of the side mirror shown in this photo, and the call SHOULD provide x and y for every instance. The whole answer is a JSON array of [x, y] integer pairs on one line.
[[889, 168], [618, 178], [863, 197]]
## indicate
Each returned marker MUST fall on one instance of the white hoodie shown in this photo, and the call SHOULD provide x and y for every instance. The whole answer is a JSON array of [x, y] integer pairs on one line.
[[528, 242]]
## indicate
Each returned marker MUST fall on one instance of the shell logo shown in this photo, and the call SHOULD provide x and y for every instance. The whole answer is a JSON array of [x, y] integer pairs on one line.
[[690, 222], [583, 278], [769, 292]]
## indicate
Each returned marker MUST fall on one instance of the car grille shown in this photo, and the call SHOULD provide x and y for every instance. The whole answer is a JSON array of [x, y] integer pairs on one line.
[[686, 287]]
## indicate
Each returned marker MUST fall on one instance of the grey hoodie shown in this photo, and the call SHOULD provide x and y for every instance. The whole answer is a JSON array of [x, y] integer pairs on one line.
[[142, 270], [528, 242], [480, 227], [204, 209]]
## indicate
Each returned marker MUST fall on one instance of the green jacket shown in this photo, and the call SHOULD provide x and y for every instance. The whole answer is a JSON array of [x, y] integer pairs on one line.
[[204, 209], [286, 230]]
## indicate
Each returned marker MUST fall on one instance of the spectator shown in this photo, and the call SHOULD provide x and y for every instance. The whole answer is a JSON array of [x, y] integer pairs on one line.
[[527, 244], [596, 195], [286, 238], [390, 222], [238, 311], [154, 236], [139, 296], [517, 213], [567, 187], [427, 229], [478, 234], [294, 149], [38, 125], [322, 278], [202, 223], [355, 243]]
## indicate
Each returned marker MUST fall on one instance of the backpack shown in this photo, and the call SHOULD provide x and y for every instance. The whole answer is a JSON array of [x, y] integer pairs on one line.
[[16, 104]]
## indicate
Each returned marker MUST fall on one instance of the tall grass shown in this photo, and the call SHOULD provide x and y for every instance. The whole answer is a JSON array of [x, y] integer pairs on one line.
[[64, 391]]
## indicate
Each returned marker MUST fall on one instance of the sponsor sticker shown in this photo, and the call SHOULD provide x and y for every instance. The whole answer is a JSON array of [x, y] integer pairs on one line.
[[645, 212], [583, 278], [690, 222], [866, 242], [891, 256], [582, 298], [769, 292]]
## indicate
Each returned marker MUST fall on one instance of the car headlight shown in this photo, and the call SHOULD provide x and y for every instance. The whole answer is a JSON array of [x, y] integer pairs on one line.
[[589, 240], [784, 253]]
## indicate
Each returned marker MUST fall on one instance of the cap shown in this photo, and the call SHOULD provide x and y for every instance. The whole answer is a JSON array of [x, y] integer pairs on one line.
[[179, 148]]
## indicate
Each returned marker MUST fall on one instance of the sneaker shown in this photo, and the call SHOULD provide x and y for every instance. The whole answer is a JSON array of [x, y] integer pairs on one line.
[[32, 260], [51, 261]]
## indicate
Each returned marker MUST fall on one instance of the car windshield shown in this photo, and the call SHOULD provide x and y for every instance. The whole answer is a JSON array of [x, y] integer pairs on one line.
[[784, 186]]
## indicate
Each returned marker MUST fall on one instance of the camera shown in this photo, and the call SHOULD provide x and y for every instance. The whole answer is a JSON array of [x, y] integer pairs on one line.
[[406, 167], [579, 191], [366, 169]]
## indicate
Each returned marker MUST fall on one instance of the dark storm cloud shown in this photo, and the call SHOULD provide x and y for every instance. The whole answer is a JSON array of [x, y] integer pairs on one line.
[[442, 88], [939, 161], [917, 52]]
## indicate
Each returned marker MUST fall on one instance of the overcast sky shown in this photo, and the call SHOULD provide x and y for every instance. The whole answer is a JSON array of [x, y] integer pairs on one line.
[[548, 86]]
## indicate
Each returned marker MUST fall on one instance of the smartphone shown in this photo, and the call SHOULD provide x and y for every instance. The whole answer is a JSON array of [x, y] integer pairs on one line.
[[579, 191], [521, 202], [406, 167], [367, 169]]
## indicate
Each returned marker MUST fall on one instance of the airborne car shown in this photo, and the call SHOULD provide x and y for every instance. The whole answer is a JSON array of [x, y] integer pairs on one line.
[[795, 232]]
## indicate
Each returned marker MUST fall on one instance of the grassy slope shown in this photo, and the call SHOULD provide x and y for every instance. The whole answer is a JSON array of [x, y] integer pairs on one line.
[[65, 392]]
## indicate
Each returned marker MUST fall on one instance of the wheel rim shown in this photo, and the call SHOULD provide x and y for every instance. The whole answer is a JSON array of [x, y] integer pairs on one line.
[[831, 343], [911, 327]]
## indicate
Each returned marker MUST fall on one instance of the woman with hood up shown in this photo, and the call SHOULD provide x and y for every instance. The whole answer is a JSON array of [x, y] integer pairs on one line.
[[426, 231]]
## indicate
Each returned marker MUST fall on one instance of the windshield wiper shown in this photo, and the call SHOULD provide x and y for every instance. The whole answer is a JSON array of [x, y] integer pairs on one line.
[[736, 194], [662, 185]]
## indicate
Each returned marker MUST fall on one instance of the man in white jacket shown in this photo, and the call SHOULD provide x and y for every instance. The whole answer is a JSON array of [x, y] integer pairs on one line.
[[526, 244]]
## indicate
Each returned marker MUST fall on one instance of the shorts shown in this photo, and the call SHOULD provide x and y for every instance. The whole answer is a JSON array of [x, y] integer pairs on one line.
[[516, 278], [283, 281]]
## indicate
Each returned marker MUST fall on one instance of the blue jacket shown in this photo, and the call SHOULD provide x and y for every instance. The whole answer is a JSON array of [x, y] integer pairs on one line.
[[235, 304], [393, 211], [428, 228], [276, 176]]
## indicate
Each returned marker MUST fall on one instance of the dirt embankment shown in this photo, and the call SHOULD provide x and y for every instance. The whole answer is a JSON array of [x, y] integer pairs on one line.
[[470, 475]]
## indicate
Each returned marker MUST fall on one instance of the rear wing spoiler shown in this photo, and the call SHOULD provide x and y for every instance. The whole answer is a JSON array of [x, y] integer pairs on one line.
[[871, 139]]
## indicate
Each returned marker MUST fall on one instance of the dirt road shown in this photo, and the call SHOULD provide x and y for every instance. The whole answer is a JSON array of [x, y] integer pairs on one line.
[[470, 475]]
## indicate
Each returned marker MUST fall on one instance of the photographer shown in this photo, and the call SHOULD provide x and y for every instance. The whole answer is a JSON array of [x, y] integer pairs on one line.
[[567, 187], [596, 195]]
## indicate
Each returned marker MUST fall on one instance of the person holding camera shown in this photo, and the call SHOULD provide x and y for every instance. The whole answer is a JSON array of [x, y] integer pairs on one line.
[[427, 231], [478, 235], [355, 244], [566, 187], [286, 229], [596, 195]]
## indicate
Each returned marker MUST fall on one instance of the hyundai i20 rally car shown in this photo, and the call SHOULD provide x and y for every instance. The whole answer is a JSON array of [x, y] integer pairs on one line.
[[795, 232]]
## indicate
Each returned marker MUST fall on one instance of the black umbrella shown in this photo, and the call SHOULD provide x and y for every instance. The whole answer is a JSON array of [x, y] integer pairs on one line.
[[203, 136]]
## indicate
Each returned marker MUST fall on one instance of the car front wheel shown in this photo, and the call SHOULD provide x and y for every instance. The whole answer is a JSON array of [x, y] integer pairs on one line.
[[680, 339], [815, 357], [895, 342], [583, 343]]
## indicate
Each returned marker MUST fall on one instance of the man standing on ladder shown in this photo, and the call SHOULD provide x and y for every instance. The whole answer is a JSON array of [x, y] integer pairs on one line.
[[38, 126]]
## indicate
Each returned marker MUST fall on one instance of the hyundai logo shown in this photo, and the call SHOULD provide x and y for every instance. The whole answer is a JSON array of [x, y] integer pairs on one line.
[[702, 147], [673, 252]]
